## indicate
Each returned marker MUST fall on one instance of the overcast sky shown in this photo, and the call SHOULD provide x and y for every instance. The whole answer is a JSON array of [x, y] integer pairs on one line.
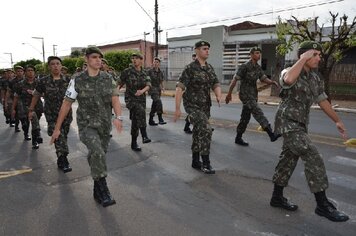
[[78, 23]]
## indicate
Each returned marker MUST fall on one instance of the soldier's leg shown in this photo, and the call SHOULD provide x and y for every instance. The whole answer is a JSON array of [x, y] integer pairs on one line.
[[283, 171], [202, 138], [241, 127], [159, 108], [97, 162], [35, 131], [153, 110], [134, 130]]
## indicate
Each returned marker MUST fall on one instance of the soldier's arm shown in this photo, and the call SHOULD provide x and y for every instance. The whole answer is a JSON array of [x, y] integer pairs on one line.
[[178, 98], [63, 112], [6, 97], [327, 108], [293, 73], [117, 110], [35, 98]]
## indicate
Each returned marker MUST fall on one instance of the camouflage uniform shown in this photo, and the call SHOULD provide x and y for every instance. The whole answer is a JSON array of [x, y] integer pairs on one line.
[[3, 87], [21, 90], [291, 121], [11, 89], [249, 73], [53, 92], [196, 82], [135, 80], [155, 91], [94, 95]]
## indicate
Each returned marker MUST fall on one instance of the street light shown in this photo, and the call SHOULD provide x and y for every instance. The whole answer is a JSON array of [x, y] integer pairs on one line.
[[144, 56], [54, 49], [9, 53], [43, 50]]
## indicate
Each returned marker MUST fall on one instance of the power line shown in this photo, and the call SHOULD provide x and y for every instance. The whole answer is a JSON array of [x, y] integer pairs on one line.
[[143, 9], [298, 7]]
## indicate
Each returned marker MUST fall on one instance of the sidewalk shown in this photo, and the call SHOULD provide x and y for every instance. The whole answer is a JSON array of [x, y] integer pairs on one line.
[[265, 98]]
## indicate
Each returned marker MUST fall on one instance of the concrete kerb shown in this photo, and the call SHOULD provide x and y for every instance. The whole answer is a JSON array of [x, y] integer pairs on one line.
[[171, 93]]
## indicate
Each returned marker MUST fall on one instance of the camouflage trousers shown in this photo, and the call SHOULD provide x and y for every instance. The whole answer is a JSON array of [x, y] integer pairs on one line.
[[97, 142], [138, 117], [297, 144], [201, 132], [156, 104], [60, 144], [251, 107]]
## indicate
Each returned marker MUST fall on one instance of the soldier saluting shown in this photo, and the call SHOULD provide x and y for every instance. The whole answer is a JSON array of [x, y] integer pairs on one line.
[[301, 87], [196, 80]]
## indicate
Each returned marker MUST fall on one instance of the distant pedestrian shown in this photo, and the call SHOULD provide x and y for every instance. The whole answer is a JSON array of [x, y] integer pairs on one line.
[[249, 73], [96, 94], [196, 81], [157, 78], [301, 87]]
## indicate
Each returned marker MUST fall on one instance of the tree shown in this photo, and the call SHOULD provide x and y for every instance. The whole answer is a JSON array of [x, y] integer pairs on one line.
[[32, 62], [341, 38], [120, 60]]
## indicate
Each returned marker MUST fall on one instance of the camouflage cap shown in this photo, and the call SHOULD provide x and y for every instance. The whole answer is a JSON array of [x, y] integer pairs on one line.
[[105, 61], [307, 45], [137, 54], [18, 68], [157, 58], [255, 49], [202, 43], [51, 58], [91, 50]]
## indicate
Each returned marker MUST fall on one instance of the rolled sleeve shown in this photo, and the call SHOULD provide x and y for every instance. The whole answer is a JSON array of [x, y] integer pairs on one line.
[[216, 85], [321, 97], [180, 85], [36, 93], [281, 80]]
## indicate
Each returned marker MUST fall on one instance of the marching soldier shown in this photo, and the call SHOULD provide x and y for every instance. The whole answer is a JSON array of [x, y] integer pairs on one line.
[[53, 88], [156, 76], [96, 93], [196, 80], [249, 73], [137, 84], [23, 92], [301, 87]]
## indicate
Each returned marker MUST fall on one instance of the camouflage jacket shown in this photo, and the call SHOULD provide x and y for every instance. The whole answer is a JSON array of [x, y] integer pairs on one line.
[[94, 96], [196, 82], [294, 108], [157, 78], [24, 90], [249, 73], [53, 92], [12, 84], [134, 80]]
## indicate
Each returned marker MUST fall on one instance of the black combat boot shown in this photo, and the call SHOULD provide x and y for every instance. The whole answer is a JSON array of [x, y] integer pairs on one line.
[[38, 136], [160, 120], [17, 129], [207, 169], [151, 121], [327, 209], [35, 144], [145, 138], [12, 123], [239, 140], [134, 145], [186, 129], [196, 163], [278, 200], [27, 137], [63, 164], [273, 137], [102, 194]]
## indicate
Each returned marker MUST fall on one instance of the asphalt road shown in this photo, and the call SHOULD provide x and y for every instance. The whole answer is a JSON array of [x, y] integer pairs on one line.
[[158, 193]]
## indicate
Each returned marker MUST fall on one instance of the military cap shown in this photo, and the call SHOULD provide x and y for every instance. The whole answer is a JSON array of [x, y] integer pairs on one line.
[[91, 50], [202, 43], [307, 45], [137, 54], [157, 58], [255, 49], [104, 60], [51, 58], [18, 68]]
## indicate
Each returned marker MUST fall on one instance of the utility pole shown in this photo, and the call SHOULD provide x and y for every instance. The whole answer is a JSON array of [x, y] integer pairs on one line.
[[11, 61], [54, 49], [144, 56], [43, 49], [156, 28]]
